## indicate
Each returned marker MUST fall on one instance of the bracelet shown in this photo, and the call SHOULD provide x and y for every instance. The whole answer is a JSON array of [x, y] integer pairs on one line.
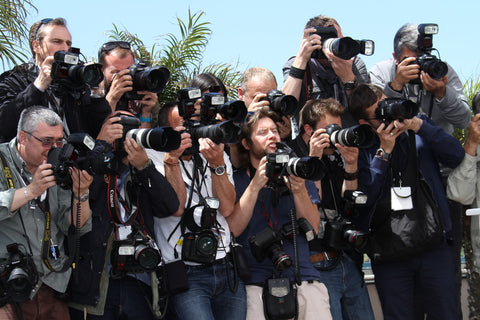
[[142, 119], [350, 176], [296, 73], [25, 193], [170, 163]]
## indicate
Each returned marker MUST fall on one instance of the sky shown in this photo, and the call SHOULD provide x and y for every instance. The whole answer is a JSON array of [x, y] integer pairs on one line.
[[266, 33]]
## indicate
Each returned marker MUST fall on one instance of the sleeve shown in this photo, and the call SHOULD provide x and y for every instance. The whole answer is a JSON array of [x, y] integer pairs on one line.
[[461, 181], [360, 71], [381, 74], [95, 111], [454, 106]]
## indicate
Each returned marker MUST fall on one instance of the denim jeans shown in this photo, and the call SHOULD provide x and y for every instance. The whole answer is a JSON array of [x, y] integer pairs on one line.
[[347, 291], [209, 296]]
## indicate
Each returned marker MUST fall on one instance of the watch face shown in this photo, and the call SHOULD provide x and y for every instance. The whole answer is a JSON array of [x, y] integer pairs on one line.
[[220, 170]]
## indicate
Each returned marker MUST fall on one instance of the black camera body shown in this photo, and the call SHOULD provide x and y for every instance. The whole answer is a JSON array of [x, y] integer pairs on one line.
[[82, 152], [344, 48], [207, 126], [340, 232], [280, 103], [145, 78], [138, 253], [429, 63], [360, 136], [268, 242], [391, 109], [18, 275], [69, 73]]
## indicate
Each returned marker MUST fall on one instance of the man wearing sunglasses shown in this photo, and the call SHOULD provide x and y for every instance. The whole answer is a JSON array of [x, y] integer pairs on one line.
[[116, 58], [35, 215], [31, 84]]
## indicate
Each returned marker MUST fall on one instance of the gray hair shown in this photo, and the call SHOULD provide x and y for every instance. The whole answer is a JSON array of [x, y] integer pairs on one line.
[[260, 72], [406, 37], [32, 116]]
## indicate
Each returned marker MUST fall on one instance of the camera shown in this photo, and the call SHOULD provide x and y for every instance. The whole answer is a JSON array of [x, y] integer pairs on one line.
[[134, 254], [281, 164], [391, 109], [282, 104], [18, 275], [340, 232], [200, 244], [360, 136], [429, 63], [70, 73], [145, 78], [301, 225], [207, 126], [82, 152], [269, 243], [344, 48]]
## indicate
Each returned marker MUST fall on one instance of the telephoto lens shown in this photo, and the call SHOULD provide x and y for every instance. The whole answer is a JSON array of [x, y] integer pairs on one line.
[[161, 139]]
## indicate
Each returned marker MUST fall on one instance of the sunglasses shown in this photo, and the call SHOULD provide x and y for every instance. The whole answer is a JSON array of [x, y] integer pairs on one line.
[[42, 23], [109, 46], [48, 143]]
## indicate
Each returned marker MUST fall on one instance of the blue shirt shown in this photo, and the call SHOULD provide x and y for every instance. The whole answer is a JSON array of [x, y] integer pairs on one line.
[[264, 214]]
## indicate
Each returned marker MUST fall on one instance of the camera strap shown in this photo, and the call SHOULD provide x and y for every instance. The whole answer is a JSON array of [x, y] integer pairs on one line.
[[115, 200]]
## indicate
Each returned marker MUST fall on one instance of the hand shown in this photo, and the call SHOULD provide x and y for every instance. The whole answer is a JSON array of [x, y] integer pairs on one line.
[[111, 131], [42, 179], [185, 143], [409, 124], [284, 127], [388, 135], [437, 87], [211, 151], [310, 42], [81, 181], [405, 73], [260, 179], [349, 154], [473, 139], [295, 184], [122, 82], [148, 102], [342, 68], [136, 155], [256, 103], [44, 78], [318, 142]]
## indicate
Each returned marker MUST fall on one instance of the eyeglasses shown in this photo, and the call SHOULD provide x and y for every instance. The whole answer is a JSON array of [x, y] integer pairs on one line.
[[48, 143], [109, 46], [42, 22]]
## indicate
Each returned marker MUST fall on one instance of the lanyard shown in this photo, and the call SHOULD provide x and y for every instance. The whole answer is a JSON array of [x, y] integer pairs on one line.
[[114, 199]]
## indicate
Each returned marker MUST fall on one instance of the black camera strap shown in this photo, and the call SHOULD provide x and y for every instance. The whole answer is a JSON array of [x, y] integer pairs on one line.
[[115, 200]]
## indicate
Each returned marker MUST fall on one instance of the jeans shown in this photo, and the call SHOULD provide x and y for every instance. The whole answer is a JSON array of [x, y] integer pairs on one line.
[[127, 298], [209, 296], [347, 291]]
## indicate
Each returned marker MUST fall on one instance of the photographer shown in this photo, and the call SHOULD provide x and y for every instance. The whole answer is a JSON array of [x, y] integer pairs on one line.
[[340, 266], [36, 214], [107, 285], [441, 99], [199, 281], [32, 84], [313, 75], [407, 211], [117, 57], [259, 207]]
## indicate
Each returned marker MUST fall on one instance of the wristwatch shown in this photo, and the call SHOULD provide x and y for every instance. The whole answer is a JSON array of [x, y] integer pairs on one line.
[[383, 155], [83, 197], [219, 170], [350, 85]]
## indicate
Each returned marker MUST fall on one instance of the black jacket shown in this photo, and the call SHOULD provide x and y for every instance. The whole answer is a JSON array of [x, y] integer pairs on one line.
[[17, 92], [156, 198]]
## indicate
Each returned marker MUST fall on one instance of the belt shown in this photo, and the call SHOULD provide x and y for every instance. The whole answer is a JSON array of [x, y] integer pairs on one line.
[[323, 256]]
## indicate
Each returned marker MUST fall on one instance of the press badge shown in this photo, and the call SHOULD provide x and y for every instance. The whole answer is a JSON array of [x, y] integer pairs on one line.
[[401, 198]]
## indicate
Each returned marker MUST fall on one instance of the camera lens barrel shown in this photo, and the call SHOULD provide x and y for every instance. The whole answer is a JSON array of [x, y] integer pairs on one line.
[[161, 139]]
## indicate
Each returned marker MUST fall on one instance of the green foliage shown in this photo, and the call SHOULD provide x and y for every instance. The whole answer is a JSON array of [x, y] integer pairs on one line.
[[14, 30], [182, 55], [470, 87]]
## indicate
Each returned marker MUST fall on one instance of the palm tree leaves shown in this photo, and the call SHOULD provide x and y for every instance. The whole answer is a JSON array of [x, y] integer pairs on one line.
[[182, 55], [13, 30]]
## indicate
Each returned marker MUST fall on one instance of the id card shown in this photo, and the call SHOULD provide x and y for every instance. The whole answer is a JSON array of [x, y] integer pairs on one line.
[[401, 198]]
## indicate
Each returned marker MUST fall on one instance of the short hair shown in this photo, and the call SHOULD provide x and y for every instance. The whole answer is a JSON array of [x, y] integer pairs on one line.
[[321, 21], [122, 53], [206, 80], [406, 37], [259, 72], [247, 131], [36, 30], [32, 116], [362, 97], [163, 113], [317, 109]]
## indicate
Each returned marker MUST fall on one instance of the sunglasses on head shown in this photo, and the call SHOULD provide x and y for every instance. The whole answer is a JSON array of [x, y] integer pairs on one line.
[[42, 22], [109, 46]]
